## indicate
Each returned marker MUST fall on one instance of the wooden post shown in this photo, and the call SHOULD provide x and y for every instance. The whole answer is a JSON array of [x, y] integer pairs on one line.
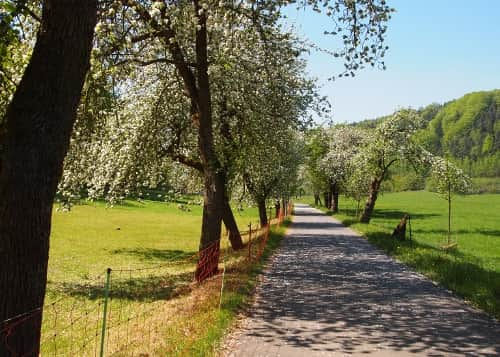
[[400, 231]]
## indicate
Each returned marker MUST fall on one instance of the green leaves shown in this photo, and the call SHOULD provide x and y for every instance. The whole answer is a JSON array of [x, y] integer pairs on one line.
[[7, 7], [448, 178]]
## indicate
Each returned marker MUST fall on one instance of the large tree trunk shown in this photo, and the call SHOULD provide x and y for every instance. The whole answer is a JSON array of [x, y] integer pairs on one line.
[[227, 213], [370, 202], [228, 218], [214, 176], [38, 126], [198, 86], [210, 227], [261, 204]]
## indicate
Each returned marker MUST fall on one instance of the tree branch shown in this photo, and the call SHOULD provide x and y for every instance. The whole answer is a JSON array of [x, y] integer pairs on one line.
[[149, 62], [176, 156]]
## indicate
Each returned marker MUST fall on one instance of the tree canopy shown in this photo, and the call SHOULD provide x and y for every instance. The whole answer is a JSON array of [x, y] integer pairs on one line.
[[200, 83]]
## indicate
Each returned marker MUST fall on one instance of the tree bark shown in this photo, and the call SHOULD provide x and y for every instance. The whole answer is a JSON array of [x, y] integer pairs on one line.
[[229, 151], [211, 226], [228, 218], [261, 204], [317, 200], [231, 226], [370, 202], [38, 125], [277, 207], [197, 84], [328, 201], [334, 189]]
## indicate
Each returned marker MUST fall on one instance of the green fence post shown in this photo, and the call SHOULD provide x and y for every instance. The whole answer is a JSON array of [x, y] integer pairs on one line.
[[105, 313]]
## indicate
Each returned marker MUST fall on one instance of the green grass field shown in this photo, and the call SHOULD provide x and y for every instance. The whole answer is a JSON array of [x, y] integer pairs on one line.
[[151, 247], [91, 237], [472, 269]]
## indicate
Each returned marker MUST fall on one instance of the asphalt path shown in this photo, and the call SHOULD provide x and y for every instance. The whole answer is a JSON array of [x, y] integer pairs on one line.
[[329, 292]]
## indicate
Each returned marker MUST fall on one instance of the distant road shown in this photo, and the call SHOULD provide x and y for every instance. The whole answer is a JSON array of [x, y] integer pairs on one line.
[[329, 292]]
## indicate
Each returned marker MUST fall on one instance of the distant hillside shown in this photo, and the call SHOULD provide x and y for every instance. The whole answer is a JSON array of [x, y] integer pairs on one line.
[[467, 130]]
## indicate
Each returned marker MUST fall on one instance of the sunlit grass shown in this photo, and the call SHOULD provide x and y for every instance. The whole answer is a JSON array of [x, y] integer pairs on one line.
[[91, 237]]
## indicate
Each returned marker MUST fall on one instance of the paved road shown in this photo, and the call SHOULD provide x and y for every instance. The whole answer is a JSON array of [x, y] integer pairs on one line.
[[329, 292]]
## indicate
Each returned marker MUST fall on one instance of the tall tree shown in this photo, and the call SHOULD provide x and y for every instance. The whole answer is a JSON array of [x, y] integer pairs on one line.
[[186, 36], [38, 124], [272, 170], [345, 143], [317, 148]]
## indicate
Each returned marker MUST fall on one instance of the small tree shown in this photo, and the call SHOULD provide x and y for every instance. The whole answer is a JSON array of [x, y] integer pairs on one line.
[[357, 185], [449, 180]]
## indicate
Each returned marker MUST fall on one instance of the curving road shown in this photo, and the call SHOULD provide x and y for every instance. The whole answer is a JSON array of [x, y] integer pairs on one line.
[[329, 292]]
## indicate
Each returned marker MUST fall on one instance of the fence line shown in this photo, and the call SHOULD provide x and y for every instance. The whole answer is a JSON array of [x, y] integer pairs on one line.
[[128, 309]]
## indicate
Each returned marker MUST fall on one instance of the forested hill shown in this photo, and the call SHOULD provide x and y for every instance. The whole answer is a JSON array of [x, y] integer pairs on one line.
[[467, 130]]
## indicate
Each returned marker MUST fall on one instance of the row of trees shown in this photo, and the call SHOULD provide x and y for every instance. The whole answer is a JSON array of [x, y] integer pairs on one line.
[[356, 160], [152, 122], [216, 86]]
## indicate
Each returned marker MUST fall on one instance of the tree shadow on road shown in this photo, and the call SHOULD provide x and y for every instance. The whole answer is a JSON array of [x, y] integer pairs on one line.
[[337, 294]]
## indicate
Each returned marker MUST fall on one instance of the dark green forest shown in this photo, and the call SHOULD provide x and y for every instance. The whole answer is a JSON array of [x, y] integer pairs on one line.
[[465, 130]]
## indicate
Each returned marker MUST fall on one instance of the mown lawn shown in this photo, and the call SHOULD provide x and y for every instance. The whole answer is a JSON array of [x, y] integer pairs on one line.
[[472, 269]]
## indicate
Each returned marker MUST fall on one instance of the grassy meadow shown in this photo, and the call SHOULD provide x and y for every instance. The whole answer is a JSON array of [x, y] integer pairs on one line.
[[92, 237], [154, 306], [472, 269]]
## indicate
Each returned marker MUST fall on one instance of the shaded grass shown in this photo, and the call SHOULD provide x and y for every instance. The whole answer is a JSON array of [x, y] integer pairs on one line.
[[472, 269]]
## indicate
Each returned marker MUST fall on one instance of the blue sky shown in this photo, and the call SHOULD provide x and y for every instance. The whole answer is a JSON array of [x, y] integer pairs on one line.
[[439, 51]]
